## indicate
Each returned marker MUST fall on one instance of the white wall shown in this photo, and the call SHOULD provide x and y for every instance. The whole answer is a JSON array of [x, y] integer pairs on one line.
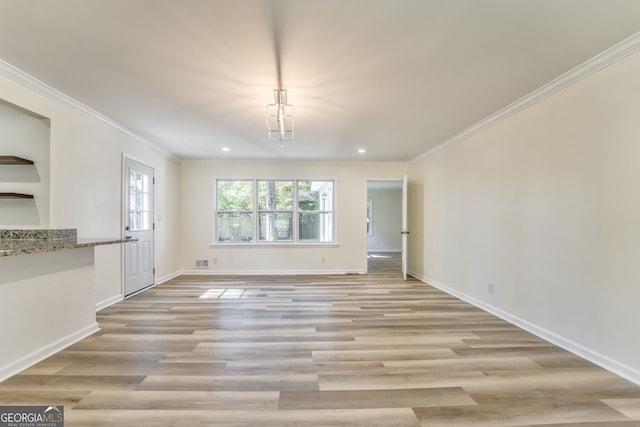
[[46, 304], [349, 255], [85, 182], [386, 220], [546, 206]]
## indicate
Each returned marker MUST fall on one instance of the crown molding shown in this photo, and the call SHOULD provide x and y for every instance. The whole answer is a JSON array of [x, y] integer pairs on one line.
[[610, 56], [30, 82]]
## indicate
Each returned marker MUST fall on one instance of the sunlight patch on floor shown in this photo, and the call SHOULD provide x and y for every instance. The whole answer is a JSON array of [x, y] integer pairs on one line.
[[223, 294]]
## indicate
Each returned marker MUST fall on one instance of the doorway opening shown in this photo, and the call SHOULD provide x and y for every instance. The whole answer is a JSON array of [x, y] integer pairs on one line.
[[384, 225]]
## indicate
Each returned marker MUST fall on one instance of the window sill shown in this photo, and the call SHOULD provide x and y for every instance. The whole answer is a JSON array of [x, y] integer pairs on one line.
[[275, 245]]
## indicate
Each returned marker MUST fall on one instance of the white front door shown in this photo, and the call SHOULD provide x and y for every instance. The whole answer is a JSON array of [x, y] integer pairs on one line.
[[138, 225], [404, 231]]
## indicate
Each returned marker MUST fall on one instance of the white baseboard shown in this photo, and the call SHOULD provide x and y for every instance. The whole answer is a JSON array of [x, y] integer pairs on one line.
[[244, 272], [158, 281], [595, 357], [109, 301], [168, 277], [49, 350], [266, 272]]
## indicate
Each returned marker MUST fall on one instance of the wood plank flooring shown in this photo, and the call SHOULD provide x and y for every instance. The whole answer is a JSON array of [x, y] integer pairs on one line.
[[354, 350]]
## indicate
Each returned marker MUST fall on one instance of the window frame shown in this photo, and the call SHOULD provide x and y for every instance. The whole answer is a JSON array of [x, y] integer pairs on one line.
[[250, 212], [369, 216], [319, 211], [140, 200], [259, 212], [295, 241]]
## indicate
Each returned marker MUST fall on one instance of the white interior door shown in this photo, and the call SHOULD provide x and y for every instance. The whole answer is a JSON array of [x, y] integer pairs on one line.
[[404, 232], [138, 225]]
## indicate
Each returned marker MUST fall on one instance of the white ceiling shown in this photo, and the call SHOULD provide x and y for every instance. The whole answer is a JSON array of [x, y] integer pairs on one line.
[[397, 77]]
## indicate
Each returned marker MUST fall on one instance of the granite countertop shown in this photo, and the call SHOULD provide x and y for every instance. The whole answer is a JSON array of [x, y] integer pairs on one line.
[[23, 242]]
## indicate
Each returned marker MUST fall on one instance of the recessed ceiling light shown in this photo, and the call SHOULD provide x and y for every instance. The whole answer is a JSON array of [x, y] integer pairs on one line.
[[226, 149], [362, 150]]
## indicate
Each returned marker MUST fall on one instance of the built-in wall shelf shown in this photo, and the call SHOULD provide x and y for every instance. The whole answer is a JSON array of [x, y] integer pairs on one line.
[[14, 160], [15, 196]]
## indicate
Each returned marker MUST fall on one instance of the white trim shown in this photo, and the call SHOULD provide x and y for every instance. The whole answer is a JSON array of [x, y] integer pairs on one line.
[[126, 156], [46, 351], [599, 359], [45, 90], [168, 277], [288, 244], [125, 159], [593, 65], [245, 272], [108, 302], [372, 251], [296, 242]]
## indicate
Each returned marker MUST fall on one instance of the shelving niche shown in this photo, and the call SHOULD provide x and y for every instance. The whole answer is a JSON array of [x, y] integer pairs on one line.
[[24, 167]]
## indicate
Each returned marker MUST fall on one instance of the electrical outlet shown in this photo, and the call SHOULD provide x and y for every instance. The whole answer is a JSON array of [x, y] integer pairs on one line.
[[323, 260], [490, 287]]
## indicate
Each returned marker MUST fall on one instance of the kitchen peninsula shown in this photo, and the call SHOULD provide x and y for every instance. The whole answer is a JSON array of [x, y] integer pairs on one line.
[[47, 294]]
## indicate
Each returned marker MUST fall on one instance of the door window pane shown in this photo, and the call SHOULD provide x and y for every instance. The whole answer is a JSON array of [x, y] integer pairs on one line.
[[139, 201]]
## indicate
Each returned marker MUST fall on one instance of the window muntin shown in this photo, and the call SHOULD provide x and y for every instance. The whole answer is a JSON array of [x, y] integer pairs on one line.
[[272, 211]]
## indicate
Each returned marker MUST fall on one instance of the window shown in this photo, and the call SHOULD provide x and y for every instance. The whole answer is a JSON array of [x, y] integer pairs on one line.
[[275, 211], [267, 211], [315, 211], [235, 211], [139, 201]]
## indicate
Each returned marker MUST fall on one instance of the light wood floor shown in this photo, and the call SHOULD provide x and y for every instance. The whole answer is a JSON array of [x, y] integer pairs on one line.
[[315, 351]]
